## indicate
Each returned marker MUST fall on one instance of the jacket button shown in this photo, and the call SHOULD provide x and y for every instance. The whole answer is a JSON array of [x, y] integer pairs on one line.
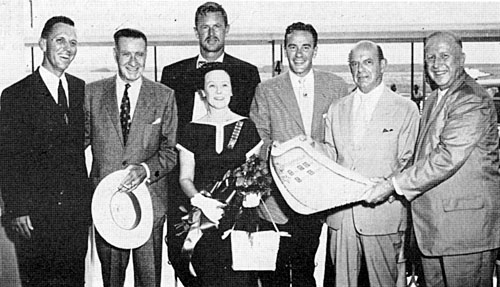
[[157, 173], [124, 163], [59, 203]]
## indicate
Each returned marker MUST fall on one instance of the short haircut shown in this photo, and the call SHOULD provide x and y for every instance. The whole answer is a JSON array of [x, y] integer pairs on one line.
[[53, 21], [448, 34], [380, 53], [210, 7], [129, 33], [299, 26]]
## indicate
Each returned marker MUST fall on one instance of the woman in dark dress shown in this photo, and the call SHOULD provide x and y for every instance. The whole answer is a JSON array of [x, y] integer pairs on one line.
[[208, 148]]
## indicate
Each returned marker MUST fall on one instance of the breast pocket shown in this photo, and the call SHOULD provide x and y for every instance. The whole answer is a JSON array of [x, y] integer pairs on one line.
[[463, 203]]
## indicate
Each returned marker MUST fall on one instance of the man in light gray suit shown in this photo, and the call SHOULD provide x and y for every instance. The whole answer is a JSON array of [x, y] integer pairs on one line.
[[373, 132], [453, 184], [131, 124], [286, 106]]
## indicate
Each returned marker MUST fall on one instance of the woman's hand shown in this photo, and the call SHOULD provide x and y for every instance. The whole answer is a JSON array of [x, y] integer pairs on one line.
[[211, 208]]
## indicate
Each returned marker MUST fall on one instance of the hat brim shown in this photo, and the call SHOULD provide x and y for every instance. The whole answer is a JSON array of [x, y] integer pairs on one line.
[[123, 219]]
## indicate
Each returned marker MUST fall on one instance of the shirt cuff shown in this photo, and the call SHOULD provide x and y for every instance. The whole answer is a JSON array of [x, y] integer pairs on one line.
[[148, 172], [396, 186]]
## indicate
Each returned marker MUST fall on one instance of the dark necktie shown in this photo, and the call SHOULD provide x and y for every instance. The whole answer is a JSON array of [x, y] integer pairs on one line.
[[62, 102], [125, 114]]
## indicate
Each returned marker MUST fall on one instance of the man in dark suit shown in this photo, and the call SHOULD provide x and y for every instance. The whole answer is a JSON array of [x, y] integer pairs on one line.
[[44, 177], [292, 104], [211, 28], [131, 124], [453, 185]]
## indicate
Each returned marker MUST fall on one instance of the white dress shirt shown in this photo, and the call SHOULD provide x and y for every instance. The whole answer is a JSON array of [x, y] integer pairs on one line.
[[52, 82], [303, 88], [363, 107], [200, 108]]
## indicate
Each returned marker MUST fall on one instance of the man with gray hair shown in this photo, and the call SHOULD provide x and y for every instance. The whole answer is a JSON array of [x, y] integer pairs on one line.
[[453, 185]]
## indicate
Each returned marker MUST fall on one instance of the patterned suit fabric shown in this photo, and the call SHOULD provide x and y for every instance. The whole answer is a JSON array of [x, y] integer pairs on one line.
[[454, 182], [277, 117], [151, 140]]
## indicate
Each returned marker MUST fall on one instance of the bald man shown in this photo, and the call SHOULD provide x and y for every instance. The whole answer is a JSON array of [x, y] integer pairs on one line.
[[371, 131], [453, 184]]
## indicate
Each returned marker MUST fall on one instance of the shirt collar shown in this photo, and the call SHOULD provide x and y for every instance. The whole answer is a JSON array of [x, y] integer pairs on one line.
[[295, 78], [51, 79], [201, 59], [373, 93], [122, 83]]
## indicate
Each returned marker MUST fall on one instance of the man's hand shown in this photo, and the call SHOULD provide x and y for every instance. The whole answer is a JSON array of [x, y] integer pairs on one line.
[[380, 192], [136, 175], [22, 225]]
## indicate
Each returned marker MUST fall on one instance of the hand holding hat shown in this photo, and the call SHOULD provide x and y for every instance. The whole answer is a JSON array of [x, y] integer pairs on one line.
[[135, 176], [211, 208]]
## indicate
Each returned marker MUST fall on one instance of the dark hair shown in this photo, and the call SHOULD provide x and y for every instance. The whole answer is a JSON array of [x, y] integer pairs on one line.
[[47, 28], [380, 53], [299, 26], [129, 33], [456, 39], [210, 7], [209, 67]]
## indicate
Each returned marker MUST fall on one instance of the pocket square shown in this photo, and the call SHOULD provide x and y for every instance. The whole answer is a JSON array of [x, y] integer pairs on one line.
[[387, 130], [157, 121]]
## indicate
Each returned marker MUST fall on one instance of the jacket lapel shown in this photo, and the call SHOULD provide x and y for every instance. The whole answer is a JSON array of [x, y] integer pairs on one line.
[[287, 95], [112, 105], [142, 108], [346, 123], [431, 113], [320, 102]]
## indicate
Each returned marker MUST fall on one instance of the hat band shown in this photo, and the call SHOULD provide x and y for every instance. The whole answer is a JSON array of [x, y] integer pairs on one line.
[[125, 210]]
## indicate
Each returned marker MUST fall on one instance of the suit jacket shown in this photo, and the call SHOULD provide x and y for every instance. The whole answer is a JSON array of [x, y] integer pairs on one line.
[[454, 182], [277, 117], [386, 148], [43, 172], [183, 78], [151, 139]]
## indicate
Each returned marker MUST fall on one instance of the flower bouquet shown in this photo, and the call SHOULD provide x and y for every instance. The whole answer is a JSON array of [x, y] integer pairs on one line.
[[241, 190]]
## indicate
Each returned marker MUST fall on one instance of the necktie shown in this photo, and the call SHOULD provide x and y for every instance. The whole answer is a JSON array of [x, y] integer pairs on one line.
[[62, 102], [125, 114]]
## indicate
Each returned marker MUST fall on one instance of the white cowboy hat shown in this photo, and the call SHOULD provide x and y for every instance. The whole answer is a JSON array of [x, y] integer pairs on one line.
[[123, 219], [311, 182]]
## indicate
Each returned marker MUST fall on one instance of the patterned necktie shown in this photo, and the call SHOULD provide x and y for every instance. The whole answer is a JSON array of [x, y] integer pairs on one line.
[[125, 114], [62, 102]]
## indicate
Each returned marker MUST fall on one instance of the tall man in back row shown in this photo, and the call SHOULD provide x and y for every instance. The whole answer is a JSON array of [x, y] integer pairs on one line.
[[453, 185], [286, 106], [211, 28]]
